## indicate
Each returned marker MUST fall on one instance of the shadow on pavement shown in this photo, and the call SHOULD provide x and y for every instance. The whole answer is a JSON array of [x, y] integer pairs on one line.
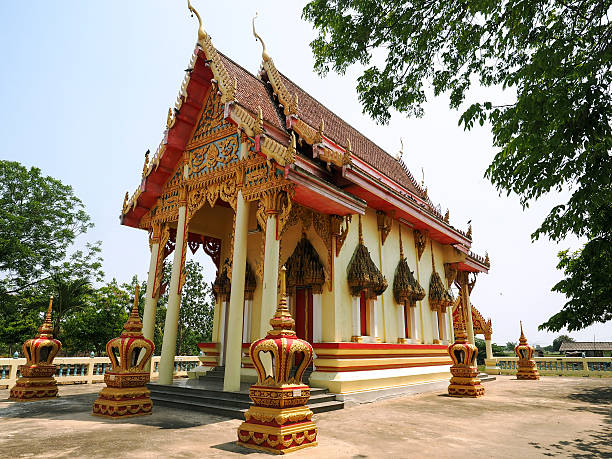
[[78, 408], [232, 447]]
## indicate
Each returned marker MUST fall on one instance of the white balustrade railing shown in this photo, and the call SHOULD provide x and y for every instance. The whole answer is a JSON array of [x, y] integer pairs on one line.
[[88, 370], [562, 366]]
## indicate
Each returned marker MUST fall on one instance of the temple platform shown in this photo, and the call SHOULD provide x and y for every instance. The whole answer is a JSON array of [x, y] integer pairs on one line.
[[206, 394]]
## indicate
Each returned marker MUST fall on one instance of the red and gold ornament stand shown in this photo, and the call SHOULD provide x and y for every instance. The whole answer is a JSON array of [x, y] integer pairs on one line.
[[126, 394], [526, 365], [464, 382], [37, 381], [279, 420]]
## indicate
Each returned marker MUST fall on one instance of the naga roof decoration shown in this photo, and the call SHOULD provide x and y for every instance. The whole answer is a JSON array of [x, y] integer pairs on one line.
[[362, 273], [481, 326], [406, 289], [304, 268], [439, 296]]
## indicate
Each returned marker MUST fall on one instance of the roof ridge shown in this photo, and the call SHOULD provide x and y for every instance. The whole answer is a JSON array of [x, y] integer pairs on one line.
[[404, 166]]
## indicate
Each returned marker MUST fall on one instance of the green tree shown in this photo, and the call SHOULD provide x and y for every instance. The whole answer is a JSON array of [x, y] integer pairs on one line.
[[39, 219], [559, 340], [101, 319], [552, 131], [510, 346], [498, 351], [482, 350], [197, 311]]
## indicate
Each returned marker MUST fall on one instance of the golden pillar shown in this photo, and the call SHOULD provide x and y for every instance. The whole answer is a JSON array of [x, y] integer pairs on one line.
[[464, 382], [126, 394], [526, 365], [279, 420], [37, 381]]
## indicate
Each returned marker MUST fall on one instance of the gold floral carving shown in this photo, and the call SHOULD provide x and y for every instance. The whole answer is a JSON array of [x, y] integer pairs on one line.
[[384, 225], [420, 242], [162, 253], [340, 229]]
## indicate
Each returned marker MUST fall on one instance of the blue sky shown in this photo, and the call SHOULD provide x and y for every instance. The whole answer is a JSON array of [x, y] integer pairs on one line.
[[85, 88]]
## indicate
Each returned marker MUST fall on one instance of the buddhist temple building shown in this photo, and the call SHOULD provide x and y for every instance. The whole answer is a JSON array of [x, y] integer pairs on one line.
[[260, 175]]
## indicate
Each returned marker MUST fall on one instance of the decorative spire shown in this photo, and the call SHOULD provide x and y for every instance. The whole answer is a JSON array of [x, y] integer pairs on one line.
[[125, 200], [170, 120], [202, 35], [522, 339], [46, 329], [133, 324], [447, 216], [487, 261], [282, 322], [469, 232], [264, 54], [460, 333]]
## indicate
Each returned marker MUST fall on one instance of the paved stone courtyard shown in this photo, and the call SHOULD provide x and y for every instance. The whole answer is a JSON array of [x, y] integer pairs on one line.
[[563, 417]]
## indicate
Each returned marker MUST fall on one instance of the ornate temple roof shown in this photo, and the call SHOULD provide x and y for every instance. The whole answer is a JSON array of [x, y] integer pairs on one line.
[[311, 111]]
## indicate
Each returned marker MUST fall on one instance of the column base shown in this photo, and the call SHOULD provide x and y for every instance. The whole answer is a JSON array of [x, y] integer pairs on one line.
[[356, 339], [277, 430], [30, 389], [527, 370], [465, 383], [119, 403]]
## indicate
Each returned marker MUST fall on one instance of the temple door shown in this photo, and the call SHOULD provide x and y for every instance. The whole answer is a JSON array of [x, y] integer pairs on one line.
[[303, 313], [363, 314]]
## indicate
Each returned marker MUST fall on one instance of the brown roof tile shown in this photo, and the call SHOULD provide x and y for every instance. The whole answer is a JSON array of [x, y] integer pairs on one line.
[[312, 111]]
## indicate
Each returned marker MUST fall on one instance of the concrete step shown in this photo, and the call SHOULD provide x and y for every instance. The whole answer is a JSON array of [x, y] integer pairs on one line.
[[228, 404], [484, 377]]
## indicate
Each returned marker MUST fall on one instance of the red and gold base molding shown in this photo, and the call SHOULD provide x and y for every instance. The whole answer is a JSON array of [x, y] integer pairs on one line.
[[465, 383], [117, 403], [32, 389], [278, 430], [527, 370]]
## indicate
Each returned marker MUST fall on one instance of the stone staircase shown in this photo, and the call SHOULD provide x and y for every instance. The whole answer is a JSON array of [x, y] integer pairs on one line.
[[206, 394]]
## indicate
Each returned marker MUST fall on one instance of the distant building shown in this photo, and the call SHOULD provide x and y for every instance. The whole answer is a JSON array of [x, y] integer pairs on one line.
[[589, 348]]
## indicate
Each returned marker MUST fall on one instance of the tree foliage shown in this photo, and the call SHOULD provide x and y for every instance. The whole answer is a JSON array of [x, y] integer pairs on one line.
[[552, 134], [559, 340], [39, 219]]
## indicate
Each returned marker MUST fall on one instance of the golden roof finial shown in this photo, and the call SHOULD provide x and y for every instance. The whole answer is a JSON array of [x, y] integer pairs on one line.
[[125, 200], [487, 261], [423, 177], [360, 231], [401, 152], [201, 33], [469, 232], [447, 216], [264, 54]]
